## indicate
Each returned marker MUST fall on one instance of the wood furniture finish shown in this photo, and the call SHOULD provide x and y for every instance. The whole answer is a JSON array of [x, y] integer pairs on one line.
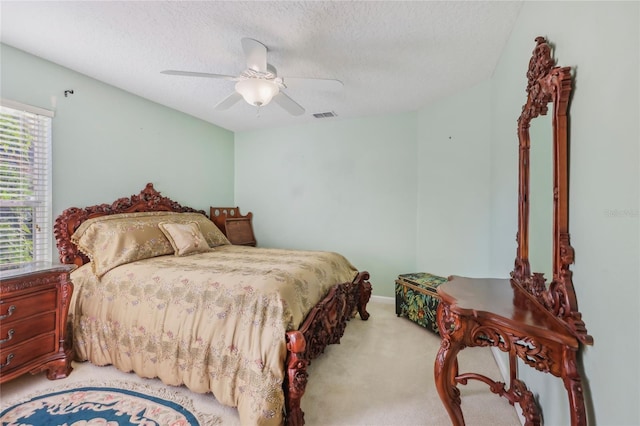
[[34, 302], [324, 325], [236, 227], [524, 316]]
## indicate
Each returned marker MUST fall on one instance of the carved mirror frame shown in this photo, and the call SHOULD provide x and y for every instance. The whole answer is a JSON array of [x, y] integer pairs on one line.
[[548, 85]]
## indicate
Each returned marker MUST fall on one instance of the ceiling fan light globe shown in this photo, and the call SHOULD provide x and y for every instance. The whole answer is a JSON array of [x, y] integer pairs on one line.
[[257, 92]]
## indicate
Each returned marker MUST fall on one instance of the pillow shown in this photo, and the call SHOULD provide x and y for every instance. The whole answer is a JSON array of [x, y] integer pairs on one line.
[[211, 232], [114, 240], [185, 238]]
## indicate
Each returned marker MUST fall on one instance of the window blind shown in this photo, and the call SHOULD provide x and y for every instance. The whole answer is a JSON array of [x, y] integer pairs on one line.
[[25, 184]]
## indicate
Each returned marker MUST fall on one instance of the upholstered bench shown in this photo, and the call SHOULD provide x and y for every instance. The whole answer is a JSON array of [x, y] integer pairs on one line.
[[417, 299]]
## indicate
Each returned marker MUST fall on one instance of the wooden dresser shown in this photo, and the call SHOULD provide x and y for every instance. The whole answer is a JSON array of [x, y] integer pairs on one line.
[[34, 302]]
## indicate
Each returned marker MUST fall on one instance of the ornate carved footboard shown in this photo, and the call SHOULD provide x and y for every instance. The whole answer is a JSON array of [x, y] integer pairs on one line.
[[324, 325]]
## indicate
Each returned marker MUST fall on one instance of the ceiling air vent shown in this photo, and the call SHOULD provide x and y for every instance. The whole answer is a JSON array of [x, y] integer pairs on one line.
[[325, 114]]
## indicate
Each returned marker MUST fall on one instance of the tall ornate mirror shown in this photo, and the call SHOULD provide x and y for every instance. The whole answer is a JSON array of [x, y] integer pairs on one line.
[[533, 316], [544, 251]]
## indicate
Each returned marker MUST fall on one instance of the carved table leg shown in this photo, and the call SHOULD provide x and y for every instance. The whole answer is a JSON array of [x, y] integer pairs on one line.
[[446, 365], [573, 384]]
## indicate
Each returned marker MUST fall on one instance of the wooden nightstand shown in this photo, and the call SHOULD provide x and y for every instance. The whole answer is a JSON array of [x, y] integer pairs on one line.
[[34, 302]]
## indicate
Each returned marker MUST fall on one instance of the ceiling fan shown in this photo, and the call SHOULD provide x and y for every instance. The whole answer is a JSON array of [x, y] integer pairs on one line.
[[259, 83]]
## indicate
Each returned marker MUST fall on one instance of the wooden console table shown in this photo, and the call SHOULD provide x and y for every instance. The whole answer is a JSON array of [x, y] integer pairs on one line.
[[531, 316], [497, 312]]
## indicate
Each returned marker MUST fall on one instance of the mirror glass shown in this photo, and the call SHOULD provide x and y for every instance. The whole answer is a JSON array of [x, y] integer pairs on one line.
[[544, 250], [541, 195]]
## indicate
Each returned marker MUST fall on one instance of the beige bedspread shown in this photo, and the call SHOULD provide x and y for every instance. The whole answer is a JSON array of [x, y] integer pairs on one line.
[[214, 321]]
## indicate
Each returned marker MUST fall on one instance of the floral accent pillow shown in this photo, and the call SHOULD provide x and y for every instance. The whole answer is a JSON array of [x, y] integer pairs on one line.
[[211, 233], [185, 238]]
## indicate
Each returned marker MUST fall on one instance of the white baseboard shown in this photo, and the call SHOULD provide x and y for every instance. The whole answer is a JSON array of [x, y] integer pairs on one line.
[[503, 366], [384, 299]]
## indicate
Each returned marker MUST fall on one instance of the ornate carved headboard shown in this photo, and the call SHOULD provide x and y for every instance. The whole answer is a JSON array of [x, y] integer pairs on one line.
[[69, 220], [548, 85]]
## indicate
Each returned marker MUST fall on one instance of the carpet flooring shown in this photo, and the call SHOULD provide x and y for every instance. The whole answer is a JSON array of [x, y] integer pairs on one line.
[[381, 374]]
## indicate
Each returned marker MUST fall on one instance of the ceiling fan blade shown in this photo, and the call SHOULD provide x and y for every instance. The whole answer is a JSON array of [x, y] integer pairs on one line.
[[312, 83], [256, 54], [288, 104], [199, 74], [228, 102]]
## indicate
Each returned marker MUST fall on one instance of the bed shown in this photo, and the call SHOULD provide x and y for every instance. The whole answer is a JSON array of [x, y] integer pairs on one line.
[[161, 292]]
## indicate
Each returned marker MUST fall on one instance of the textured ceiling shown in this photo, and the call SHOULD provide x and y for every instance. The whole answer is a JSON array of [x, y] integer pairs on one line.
[[392, 56]]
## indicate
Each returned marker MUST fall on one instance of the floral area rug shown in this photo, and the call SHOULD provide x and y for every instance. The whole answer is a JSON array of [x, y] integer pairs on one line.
[[115, 404]]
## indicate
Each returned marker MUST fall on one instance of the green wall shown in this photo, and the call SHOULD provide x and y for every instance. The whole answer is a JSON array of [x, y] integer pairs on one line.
[[345, 185], [108, 143], [454, 184]]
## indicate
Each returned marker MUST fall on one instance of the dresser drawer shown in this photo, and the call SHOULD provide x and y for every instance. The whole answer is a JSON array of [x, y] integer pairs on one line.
[[20, 355], [18, 331], [15, 309]]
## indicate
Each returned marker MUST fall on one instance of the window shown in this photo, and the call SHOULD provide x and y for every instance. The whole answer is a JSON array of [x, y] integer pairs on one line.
[[25, 184]]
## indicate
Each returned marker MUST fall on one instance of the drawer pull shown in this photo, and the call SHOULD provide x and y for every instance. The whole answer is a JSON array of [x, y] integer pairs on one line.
[[9, 358], [10, 311], [9, 336]]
